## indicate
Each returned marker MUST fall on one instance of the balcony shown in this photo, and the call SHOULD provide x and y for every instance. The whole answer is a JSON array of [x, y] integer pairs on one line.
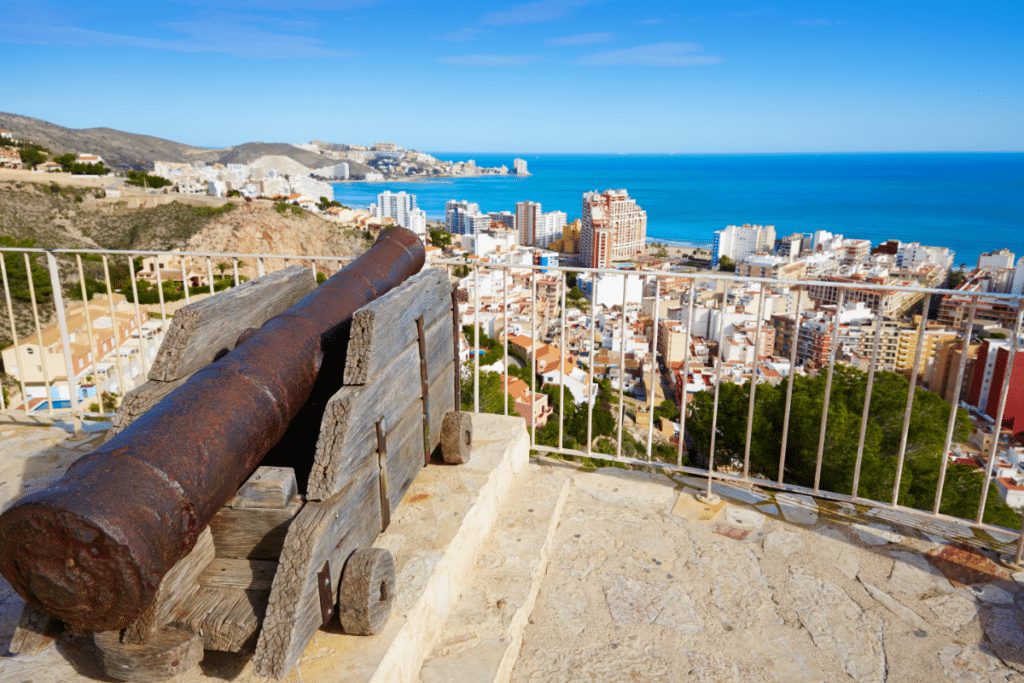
[[737, 549]]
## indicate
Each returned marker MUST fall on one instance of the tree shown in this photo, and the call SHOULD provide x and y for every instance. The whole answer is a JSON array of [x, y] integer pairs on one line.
[[222, 266], [66, 160], [32, 157], [925, 440], [441, 238], [143, 179], [726, 264]]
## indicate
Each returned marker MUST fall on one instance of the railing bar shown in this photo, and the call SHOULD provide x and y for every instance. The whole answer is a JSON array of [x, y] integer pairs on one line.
[[591, 397], [753, 379], [622, 365], [184, 279], [828, 389], [89, 331], [997, 426], [956, 404], [312, 266], [476, 338], [562, 354], [718, 385], [114, 329], [655, 376], [209, 275], [65, 339], [138, 318], [794, 343], [43, 349], [911, 390], [504, 328], [533, 359], [234, 267], [14, 335], [159, 289], [879, 324], [686, 375]]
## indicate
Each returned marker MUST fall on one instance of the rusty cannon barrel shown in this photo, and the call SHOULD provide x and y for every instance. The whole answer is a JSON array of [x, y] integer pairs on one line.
[[92, 548]]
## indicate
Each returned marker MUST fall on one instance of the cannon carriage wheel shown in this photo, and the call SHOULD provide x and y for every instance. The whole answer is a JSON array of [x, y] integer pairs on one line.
[[366, 592]]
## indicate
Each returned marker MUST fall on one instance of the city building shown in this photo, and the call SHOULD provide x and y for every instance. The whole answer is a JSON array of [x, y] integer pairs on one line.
[[987, 382], [613, 227], [402, 208], [739, 241], [520, 167], [464, 218], [767, 265]]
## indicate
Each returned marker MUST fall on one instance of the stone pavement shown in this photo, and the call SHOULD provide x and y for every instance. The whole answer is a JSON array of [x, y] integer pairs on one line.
[[645, 582], [648, 583]]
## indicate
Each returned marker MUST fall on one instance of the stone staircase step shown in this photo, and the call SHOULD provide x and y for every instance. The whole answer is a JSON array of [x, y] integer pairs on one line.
[[482, 637]]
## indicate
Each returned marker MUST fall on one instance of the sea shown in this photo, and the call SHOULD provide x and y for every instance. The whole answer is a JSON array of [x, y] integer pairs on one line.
[[969, 202]]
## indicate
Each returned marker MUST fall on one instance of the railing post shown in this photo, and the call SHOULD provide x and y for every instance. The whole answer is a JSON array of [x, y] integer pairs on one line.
[[753, 380], [686, 375], [591, 397], [43, 350], [709, 495], [533, 358], [622, 365], [562, 353], [209, 275], [476, 338], [655, 377], [911, 390], [115, 337], [794, 344], [138, 317], [944, 463], [65, 340], [879, 323], [828, 390], [14, 334], [504, 331], [88, 329]]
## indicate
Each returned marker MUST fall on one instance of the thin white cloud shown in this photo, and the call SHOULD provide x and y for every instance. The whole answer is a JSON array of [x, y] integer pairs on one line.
[[461, 35], [583, 39], [488, 60], [235, 39], [532, 12], [815, 23], [658, 54]]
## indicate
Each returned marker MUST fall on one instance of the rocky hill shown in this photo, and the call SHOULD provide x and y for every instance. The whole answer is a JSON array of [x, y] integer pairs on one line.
[[121, 149]]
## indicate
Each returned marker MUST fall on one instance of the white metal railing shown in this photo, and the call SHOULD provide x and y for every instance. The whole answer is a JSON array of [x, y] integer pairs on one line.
[[66, 272]]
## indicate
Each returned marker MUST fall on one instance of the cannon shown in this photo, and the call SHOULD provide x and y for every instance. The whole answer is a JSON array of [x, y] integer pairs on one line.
[[119, 545]]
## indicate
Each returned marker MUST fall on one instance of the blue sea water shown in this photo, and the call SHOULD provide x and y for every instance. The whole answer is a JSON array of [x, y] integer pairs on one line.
[[970, 202]]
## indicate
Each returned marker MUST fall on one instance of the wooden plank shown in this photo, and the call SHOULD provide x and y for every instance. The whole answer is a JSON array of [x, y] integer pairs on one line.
[[240, 574], [405, 453], [442, 400], [34, 633], [138, 401], [386, 326], [255, 534], [323, 531], [439, 349], [267, 488], [167, 654], [205, 328], [178, 585], [348, 425], [228, 619]]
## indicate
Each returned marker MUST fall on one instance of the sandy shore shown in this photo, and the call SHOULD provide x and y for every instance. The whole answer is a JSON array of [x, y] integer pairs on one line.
[[681, 252]]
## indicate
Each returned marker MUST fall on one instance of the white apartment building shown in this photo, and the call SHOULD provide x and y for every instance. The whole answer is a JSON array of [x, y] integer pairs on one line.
[[401, 206], [739, 241], [911, 255], [613, 228], [455, 212], [1003, 258], [520, 166], [536, 228], [605, 289]]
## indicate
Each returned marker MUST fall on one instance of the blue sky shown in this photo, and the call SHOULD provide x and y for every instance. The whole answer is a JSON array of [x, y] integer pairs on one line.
[[584, 76]]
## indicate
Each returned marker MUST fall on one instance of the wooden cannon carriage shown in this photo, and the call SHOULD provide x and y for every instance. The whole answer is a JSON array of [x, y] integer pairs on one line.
[[278, 562]]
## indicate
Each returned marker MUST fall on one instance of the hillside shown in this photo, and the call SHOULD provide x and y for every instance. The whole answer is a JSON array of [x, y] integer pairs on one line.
[[121, 149], [65, 216]]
